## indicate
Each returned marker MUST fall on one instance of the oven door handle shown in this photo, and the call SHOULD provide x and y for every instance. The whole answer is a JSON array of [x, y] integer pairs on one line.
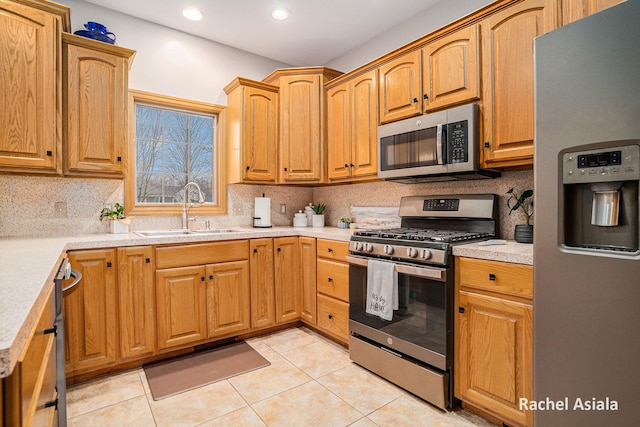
[[411, 270]]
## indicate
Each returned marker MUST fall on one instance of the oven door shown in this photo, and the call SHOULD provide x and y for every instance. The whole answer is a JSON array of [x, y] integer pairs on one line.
[[421, 327]]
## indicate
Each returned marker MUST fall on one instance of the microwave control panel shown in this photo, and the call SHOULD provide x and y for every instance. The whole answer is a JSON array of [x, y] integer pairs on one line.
[[458, 142], [603, 165]]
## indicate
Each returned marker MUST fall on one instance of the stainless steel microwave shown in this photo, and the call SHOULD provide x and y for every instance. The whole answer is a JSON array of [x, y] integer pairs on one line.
[[439, 146]]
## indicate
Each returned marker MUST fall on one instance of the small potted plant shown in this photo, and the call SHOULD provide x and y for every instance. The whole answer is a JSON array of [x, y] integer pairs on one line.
[[524, 202], [117, 222], [344, 222], [318, 217]]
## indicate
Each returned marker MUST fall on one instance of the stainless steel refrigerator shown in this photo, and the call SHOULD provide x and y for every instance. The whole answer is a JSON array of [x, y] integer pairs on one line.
[[586, 232]]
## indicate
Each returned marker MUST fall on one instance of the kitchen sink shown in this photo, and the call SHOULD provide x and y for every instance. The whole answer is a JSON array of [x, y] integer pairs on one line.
[[170, 233]]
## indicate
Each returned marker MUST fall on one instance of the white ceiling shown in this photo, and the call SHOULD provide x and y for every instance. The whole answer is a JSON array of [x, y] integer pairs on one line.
[[316, 32]]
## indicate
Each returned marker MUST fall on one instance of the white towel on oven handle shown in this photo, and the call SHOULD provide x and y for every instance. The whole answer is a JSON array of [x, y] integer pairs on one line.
[[382, 289]]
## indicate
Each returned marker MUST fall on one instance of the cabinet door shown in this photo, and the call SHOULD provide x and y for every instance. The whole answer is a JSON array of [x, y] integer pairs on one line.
[[364, 126], [287, 279], [90, 315], [494, 355], [30, 121], [262, 283], [260, 123], [572, 10], [136, 302], [507, 52], [301, 150], [96, 85], [451, 73], [228, 298], [400, 91], [181, 306], [308, 279], [339, 132]]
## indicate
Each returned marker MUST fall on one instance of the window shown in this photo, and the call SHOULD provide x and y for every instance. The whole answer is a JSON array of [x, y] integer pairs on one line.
[[173, 142]]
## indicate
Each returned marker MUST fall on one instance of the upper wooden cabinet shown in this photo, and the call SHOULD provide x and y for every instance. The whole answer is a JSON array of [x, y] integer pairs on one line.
[[352, 121], [95, 105], [400, 89], [302, 135], [30, 89], [252, 131], [450, 67], [507, 67], [572, 10]]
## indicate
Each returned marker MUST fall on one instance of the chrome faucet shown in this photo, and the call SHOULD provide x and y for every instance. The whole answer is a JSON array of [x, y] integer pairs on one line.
[[185, 219]]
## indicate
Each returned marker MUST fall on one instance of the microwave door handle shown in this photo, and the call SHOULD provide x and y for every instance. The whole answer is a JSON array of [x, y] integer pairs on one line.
[[439, 151]]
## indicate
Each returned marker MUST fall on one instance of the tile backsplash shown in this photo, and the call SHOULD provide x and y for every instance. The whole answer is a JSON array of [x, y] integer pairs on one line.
[[51, 206]]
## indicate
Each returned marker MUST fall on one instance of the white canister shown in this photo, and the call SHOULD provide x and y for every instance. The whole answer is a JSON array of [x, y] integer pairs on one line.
[[308, 210], [300, 219]]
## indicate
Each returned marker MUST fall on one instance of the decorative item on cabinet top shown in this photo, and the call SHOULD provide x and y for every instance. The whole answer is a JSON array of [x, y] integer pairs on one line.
[[97, 31]]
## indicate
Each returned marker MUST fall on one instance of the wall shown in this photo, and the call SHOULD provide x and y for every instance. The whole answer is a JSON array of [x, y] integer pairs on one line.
[[429, 20], [178, 64], [172, 62], [340, 198]]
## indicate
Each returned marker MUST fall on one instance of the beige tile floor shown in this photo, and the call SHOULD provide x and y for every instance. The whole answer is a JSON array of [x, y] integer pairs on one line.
[[311, 382]]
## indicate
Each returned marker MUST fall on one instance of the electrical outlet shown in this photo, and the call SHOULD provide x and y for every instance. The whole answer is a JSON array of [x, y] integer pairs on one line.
[[237, 209], [60, 209], [283, 208]]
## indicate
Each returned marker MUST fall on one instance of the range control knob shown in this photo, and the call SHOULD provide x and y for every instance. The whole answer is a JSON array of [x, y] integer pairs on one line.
[[359, 246], [426, 254], [412, 252], [368, 247], [388, 249]]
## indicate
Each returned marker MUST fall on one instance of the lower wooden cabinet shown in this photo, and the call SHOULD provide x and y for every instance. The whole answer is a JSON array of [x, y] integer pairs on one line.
[[308, 279], [262, 283], [493, 338], [333, 289], [181, 306], [136, 302], [32, 384], [90, 316], [228, 298], [287, 279]]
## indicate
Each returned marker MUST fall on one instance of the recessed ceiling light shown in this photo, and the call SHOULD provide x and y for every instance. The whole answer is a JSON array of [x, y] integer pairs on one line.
[[192, 14], [280, 14]]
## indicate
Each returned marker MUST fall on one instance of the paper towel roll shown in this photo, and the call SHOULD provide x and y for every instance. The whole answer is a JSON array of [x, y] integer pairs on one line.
[[263, 211]]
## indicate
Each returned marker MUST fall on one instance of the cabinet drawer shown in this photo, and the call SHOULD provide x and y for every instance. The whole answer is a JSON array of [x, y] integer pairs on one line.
[[333, 279], [334, 250], [333, 317], [200, 254], [495, 276]]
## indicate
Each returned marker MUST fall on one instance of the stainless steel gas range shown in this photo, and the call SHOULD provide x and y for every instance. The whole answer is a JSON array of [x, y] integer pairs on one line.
[[413, 346]]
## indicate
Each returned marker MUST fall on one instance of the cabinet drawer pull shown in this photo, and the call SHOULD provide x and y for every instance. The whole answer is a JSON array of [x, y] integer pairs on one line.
[[51, 403], [329, 250], [329, 280], [330, 316], [51, 330], [461, 310], [492, 277]]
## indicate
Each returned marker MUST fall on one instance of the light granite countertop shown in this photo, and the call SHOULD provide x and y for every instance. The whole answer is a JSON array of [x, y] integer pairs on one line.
[[28, 266], [517, 253]]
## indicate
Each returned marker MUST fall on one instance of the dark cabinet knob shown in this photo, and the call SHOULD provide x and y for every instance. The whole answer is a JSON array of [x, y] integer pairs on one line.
[[147, 260], [248, 168], [346, 165], [425, 96], [329, 280], [278, 249], [285, 169], [329, 250], [330, 316], [492, 277], [202, 279], [255, 250], [487, 144], [109, 264], [49, 153], [461, 310], [119, 158], [415, 100], [351, 165], [211, 277]]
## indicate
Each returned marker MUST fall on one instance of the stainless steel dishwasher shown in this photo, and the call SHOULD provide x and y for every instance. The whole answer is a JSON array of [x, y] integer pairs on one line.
[[64, 272]]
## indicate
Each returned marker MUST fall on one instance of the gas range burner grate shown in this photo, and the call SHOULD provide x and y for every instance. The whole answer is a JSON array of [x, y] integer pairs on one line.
[[423, 235]]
